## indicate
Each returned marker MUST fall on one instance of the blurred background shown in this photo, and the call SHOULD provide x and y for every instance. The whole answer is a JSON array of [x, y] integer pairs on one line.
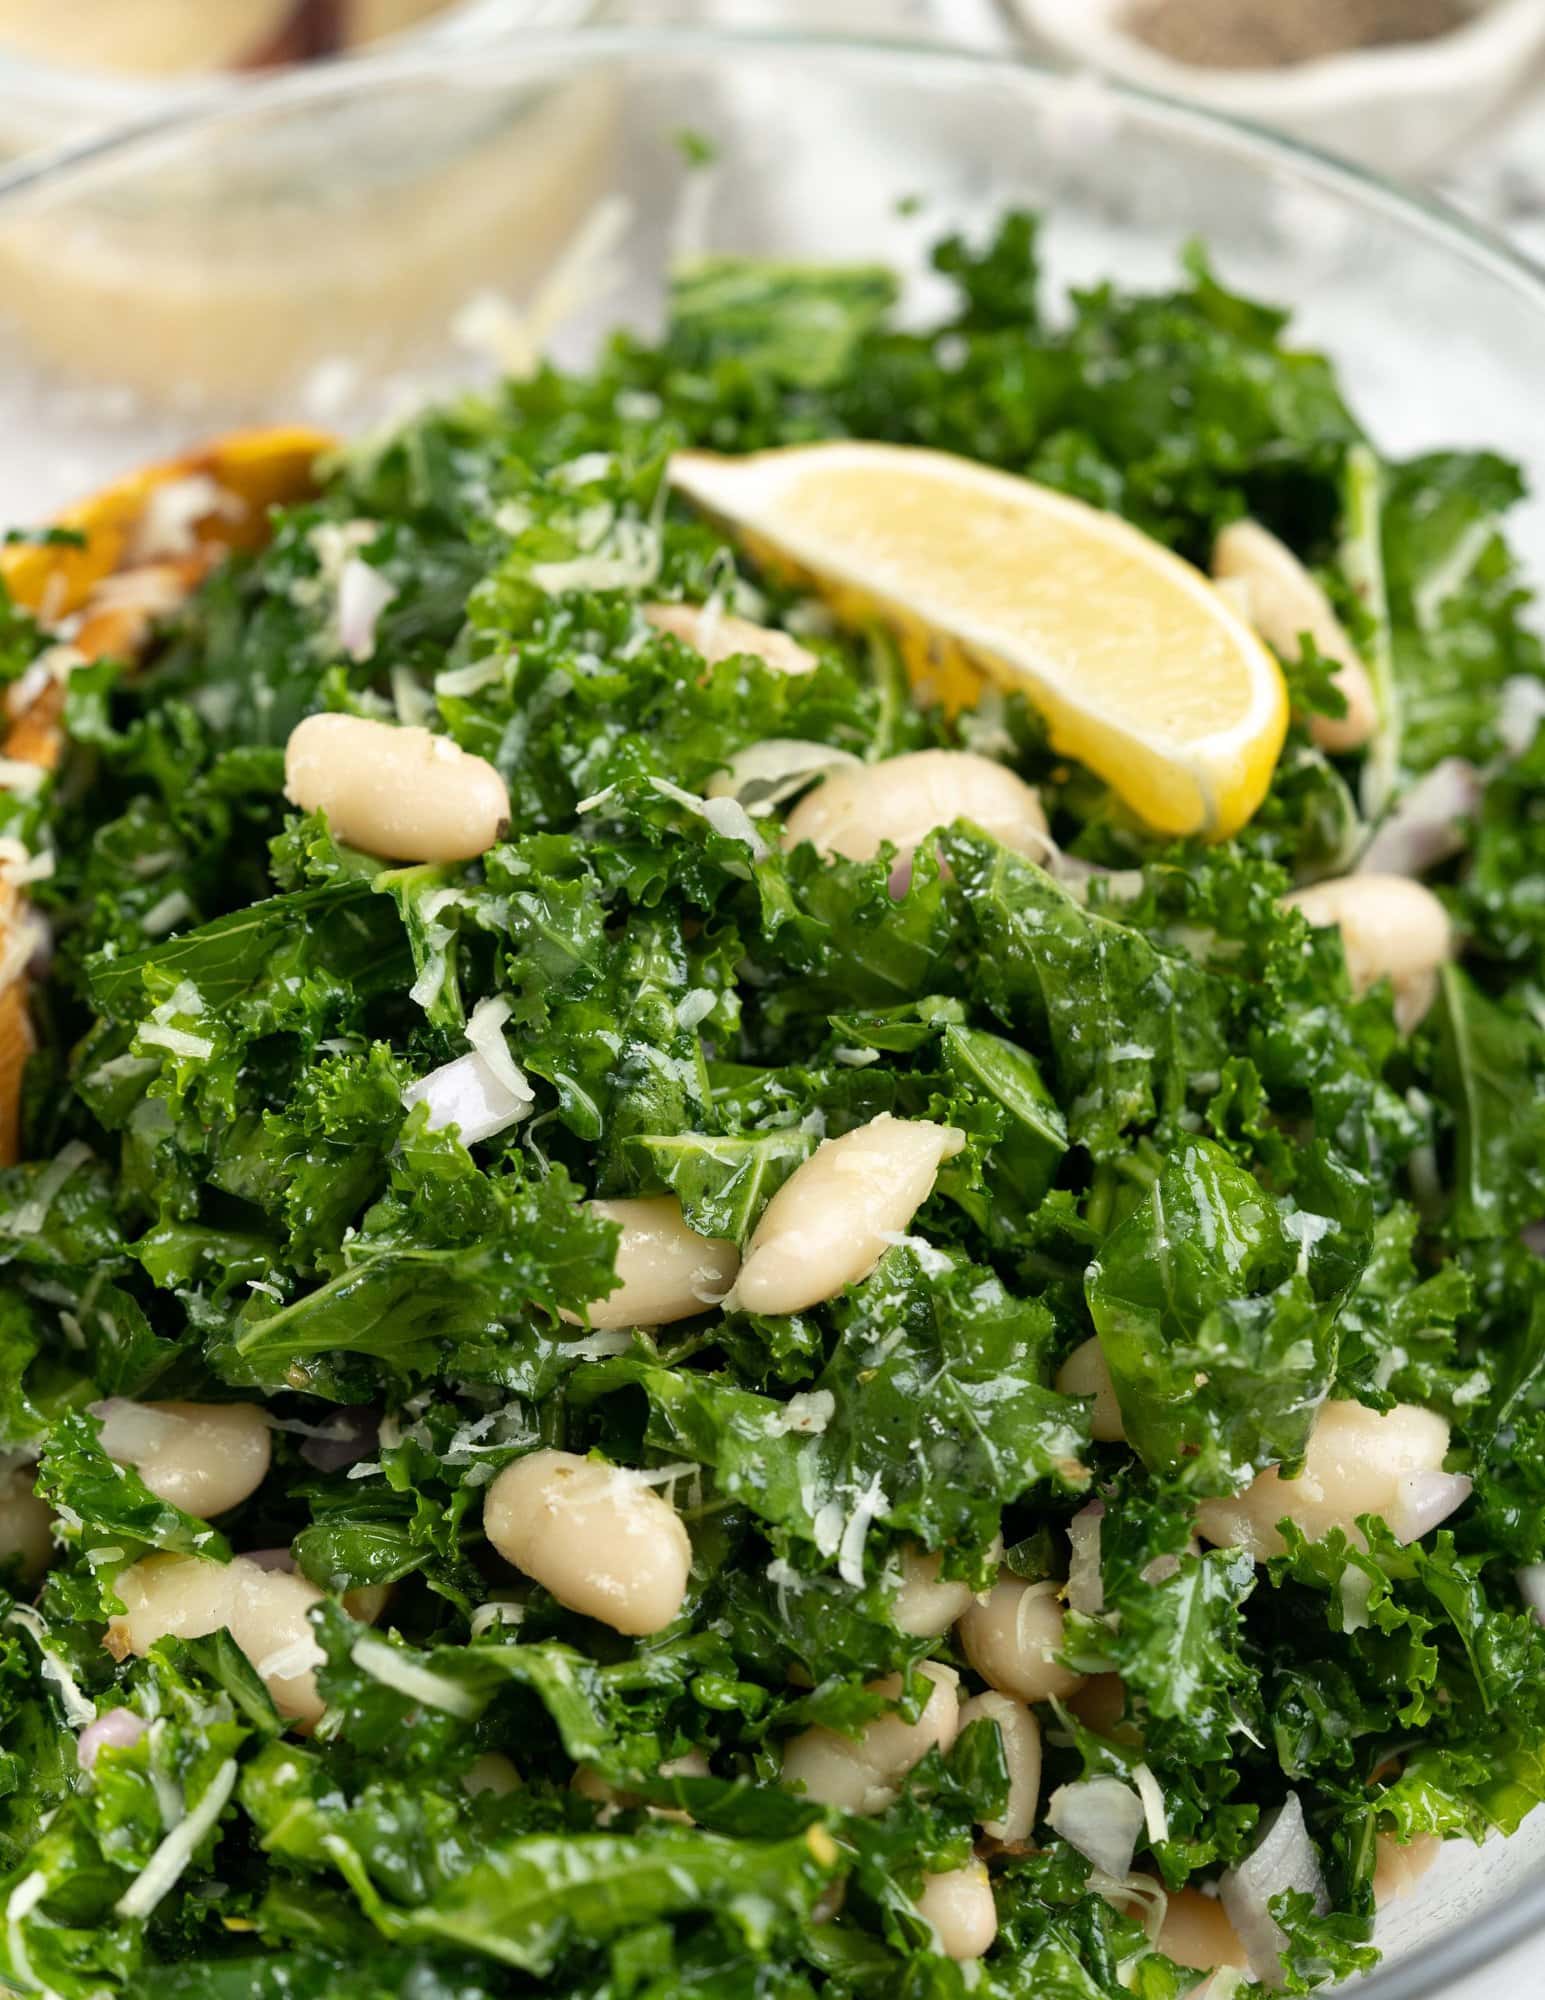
[[1449, 93], [325, 197]]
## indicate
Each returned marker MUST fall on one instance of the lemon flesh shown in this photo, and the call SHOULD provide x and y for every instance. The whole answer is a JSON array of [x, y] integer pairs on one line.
[[1139, 665]]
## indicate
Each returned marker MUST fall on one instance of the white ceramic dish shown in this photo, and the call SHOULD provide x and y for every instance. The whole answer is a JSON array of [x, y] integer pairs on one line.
[[1404, 110]]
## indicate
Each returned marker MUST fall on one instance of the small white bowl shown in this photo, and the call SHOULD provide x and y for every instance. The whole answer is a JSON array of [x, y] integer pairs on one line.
[[1403, 109]]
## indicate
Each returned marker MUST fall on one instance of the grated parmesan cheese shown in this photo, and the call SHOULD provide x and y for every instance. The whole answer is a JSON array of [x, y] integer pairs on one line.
[[485, 1031], [197, 1048], [171, 909], [472, 679], [20, 1904], [850, 1553], [77, 1710], [164, 1868], [385, 1664], [727, 817], [28, 1218], [1149, 1790]]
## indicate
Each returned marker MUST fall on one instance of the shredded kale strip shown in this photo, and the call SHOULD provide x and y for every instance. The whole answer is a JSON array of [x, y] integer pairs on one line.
[[1182, 1130]]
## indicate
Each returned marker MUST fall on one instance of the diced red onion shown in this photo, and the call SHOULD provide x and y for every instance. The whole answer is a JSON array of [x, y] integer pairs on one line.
[[1102, 1818], [1086, 1586], [1423, 829], [363, 594], [1283, 1858], [116, 1731], [1531, 1588], [352, 1437], [1423, 1500], [467, 1094], [282, 1560]]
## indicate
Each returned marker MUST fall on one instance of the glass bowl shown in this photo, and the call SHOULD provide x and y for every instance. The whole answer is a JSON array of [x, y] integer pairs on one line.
[[345, 240]]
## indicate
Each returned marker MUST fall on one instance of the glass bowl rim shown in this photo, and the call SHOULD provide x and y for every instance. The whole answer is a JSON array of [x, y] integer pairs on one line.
[[1480, 1939]]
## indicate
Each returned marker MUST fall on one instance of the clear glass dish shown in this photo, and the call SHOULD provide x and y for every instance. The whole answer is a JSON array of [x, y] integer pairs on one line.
[[309, 249]]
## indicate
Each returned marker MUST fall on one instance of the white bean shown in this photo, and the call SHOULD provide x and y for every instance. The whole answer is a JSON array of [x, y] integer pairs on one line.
[[1086, 1372], [491, 1771], [1021, 1738], [861, 1775], [264, 1611], [604, 1543], [1400, 1865], [1391, 928], [1196, 1933], [719, 635], [667, 1270], [926, 1605], [201, 1457], [1011, 1636], [960, 1906], [1101, 1705], [904, 799], [1283, 602], [589, 1783], [25, 1521], [405, 794], [1355, 1464], [835, 1216]]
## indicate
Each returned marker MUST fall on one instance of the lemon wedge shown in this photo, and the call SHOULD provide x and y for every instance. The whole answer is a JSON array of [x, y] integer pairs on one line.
[[1142, 669]]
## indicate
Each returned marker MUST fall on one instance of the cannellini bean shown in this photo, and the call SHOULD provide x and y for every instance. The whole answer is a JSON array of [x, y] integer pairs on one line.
[[1391, 928], [960, 1907], [1358, 1461], [719, 635], [491, 1771], [1011, 1637], [834, 1217], [406, 794], [861, 1775], [589, 1783], [1196, 1932], [667, 1270], [1400, 1865], [366, 1601], [1282, 601], [1021, 1737], [264, 1611], [201, 1457], [604, 1543], [25, 1522], [926, 1605], [1087, 1373], [1101, 1705], [904, 799]]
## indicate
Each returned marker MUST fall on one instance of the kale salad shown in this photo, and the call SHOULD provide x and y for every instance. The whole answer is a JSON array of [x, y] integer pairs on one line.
[[677, 1320]]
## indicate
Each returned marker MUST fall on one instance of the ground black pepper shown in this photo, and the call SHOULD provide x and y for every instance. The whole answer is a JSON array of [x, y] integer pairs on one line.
[[1266, 34]]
